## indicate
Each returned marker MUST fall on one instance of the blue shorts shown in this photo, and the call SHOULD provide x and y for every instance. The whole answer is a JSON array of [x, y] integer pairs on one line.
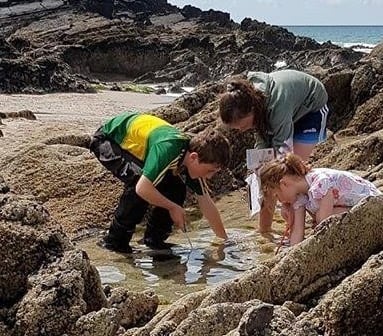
[[311, 128]]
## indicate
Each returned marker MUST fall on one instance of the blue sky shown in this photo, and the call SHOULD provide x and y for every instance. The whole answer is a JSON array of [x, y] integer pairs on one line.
[[297, 12]]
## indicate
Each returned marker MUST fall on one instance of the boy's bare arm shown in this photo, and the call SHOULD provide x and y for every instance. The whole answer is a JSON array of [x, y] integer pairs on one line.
[[211, 213], [147, 191]]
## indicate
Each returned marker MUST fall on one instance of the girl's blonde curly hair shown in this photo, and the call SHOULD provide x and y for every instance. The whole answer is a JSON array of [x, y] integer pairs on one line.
[[272, 172]]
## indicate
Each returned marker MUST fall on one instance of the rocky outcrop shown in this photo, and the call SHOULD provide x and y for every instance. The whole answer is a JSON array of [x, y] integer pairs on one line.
[[24, 248], [59, 295], [302, 274], [368, 117], [363, 154], [147, 41], [47, 287], [355, 307]]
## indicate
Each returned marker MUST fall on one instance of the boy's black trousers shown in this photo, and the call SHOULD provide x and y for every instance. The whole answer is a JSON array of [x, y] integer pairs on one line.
[[132, 208]]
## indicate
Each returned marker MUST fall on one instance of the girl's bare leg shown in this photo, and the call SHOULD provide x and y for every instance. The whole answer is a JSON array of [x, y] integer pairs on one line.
[[303, 150]]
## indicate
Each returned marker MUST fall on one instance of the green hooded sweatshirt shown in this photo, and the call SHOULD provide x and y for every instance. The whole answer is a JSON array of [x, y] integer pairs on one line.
[[290, 95]]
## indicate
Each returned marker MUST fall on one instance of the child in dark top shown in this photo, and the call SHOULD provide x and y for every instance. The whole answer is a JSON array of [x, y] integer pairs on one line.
[[156, 162]]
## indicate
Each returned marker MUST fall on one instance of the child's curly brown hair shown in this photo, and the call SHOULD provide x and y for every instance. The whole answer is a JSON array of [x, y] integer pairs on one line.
[[272, 172]]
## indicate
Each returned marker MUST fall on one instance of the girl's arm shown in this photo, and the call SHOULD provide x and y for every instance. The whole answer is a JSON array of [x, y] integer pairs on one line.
[[297, 233], [326, 207], [266, 214]]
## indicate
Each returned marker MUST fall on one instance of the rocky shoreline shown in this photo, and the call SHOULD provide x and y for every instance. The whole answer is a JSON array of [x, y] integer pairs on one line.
[[329, 284]]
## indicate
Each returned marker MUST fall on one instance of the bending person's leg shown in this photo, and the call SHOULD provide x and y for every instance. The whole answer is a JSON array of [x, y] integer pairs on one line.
[[131, 208], [129, 212], [303, 150], [309, 131], [159, 225]]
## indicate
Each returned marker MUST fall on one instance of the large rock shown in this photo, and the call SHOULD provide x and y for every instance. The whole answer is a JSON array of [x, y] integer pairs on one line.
[[367, 81], [59, 295], [338, 87], [300, 274], [135, 308], [362, 154], [355, 307], [368, 117], [24, 249]]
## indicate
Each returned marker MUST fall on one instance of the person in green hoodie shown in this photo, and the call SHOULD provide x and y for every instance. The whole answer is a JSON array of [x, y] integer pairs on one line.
[[288, 111]]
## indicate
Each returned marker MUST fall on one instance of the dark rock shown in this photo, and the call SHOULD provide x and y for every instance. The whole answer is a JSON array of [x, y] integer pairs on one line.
[[116, 87], [377, 52], [59, 295], [176, 88], [338, 86], [144, 45], [189, 12], [160, 91], [367, 81], [23, 251], [4, 188], [26, 114], [368, 118]]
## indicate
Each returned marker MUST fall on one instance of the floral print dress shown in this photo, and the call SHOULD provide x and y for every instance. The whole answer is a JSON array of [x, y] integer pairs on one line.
[[347, 188]]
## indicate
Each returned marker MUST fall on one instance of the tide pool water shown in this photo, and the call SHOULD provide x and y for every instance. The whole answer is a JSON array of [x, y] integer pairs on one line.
[[197, 261], [182, 269]]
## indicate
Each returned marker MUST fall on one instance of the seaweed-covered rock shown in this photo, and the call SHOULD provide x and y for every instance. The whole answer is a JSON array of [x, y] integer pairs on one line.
[[135, 308], [59, 295], [23, 250]]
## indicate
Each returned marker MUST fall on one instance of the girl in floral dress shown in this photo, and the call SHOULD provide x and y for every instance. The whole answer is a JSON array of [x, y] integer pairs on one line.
[[321, 192]]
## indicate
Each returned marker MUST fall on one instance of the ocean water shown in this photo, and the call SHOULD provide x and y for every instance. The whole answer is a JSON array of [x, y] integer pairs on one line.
[[362, 38]]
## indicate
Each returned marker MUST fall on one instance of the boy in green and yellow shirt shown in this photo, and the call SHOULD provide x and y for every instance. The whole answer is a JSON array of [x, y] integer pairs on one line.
[[156, 162]]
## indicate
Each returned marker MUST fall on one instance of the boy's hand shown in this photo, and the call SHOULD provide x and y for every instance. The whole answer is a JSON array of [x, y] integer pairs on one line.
[[178, 215]]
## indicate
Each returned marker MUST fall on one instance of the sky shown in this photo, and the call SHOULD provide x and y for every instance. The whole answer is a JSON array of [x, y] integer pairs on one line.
[[297, 12]]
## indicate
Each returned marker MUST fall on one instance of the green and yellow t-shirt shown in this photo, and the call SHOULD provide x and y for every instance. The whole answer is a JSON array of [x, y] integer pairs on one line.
[[155, 143]]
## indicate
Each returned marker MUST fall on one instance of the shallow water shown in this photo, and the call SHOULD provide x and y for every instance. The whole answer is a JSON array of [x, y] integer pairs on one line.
[[196, 261]]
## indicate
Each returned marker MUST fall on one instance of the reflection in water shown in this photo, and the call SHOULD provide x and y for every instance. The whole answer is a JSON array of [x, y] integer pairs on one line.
[[168, 271], [110, 274], [184, 270], [203, 264]]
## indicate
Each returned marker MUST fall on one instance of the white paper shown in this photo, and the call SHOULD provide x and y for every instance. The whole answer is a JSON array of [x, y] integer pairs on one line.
[[253, 194], [256, 157]]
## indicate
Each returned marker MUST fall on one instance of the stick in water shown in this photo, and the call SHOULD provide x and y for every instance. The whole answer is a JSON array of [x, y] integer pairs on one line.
[[187, 236]]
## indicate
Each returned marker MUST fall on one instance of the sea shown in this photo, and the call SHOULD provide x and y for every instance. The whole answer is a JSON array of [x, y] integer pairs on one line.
[[360, 38]]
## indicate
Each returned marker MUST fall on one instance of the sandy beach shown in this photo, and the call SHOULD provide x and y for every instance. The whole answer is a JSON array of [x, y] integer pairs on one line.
[[76, 106], [85, 112]]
